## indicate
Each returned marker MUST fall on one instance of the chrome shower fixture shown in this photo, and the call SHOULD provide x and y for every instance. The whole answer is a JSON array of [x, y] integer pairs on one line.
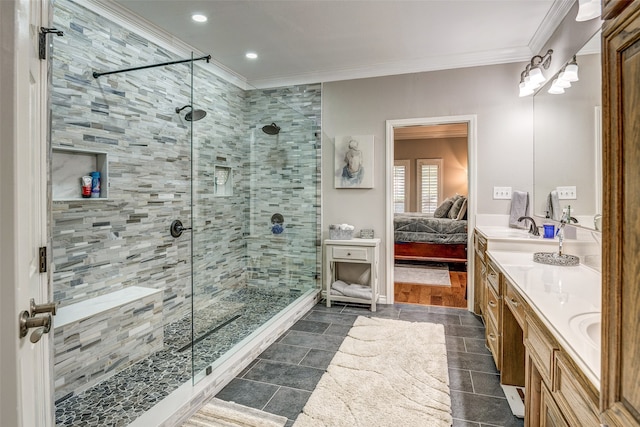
[[193, 115]]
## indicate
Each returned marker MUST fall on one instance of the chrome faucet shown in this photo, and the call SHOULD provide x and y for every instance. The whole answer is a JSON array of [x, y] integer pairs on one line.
[[533, 227], [566, 219], [560, 235]]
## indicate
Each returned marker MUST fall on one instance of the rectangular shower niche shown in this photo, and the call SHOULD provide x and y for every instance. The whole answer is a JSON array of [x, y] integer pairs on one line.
[[68, 165], [223, 180]]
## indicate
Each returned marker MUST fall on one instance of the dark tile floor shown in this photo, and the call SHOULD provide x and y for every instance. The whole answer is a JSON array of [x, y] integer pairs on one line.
[[282, 378]]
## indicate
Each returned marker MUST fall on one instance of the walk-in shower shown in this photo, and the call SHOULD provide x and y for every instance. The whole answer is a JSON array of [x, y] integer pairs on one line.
[[142, 312]]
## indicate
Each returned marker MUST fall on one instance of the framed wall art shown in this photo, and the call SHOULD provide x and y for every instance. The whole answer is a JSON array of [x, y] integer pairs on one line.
[[354, 161]]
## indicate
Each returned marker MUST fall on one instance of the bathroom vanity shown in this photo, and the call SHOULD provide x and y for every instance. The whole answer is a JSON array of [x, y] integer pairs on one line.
[[542, 326]]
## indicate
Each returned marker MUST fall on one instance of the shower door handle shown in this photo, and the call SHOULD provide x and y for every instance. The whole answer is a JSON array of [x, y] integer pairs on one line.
[[177, 228]]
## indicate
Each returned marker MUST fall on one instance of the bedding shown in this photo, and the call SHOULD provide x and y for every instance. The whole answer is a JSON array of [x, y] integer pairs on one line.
[[425, 238], [417, 227]]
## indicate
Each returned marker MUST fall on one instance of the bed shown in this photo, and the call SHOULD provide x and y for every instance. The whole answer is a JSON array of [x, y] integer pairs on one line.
[[419, 237]]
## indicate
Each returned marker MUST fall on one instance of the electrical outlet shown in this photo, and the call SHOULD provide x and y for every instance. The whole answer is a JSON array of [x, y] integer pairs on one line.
[[567, 193], [501, 193]]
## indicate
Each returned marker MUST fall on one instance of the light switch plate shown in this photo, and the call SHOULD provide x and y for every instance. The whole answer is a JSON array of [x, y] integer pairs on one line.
[[501, 193], [567, 193]]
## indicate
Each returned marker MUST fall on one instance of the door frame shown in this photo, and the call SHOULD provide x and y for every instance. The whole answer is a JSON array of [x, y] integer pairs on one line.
[[472, 139]]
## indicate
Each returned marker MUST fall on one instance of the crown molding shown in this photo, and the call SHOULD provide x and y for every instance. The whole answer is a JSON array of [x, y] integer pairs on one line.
[[554, 17], [447, 62], [133, 22]]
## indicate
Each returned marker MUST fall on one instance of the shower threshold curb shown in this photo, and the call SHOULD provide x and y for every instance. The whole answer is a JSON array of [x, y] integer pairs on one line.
[[187, 398]]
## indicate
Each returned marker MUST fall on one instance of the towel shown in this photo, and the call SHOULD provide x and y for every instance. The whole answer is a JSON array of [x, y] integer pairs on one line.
[[355, 290], [519, 207], [553, 206]]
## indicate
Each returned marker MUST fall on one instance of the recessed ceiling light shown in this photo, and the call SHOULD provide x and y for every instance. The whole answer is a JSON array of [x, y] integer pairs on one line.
[[251, 55], [198, 17]]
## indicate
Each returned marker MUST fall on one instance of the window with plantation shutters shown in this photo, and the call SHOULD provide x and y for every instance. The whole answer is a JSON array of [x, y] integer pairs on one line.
[[401, 186], [429, 184]]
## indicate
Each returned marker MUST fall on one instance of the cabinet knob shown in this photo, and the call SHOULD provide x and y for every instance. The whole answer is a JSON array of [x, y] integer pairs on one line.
[[514, 302]]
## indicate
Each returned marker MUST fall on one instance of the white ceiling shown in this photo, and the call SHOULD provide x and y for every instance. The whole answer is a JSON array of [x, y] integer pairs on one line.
[[305, 41]]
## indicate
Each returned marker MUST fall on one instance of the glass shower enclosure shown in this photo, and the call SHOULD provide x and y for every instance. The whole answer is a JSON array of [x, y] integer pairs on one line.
[[147, 305]]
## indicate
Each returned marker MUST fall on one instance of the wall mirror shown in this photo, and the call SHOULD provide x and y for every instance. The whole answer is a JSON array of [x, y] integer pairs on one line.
[[567, 142]]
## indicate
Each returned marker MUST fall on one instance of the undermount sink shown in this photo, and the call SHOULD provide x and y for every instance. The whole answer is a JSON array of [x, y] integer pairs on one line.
[[588, 325], [510, 233], [554, 258]]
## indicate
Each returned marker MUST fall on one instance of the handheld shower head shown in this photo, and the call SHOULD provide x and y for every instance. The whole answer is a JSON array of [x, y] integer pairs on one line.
[[193, 115], [272, 129]]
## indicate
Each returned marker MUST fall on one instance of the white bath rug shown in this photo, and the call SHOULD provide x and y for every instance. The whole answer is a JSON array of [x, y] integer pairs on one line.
[[219, 413], [438, 276], [387, 373]]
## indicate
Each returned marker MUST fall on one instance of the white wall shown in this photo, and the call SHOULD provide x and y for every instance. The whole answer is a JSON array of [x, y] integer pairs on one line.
[[361, 107]]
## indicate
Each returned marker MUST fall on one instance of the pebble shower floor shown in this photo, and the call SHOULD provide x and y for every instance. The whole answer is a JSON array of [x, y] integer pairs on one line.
[[122, 398]]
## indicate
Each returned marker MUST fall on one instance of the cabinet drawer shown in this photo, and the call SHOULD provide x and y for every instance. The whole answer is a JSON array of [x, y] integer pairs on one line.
[[350, 253], [493, 276], [493, 305], [480, 245], [573, 395], [493, 341], [541, 347], [514, 301]]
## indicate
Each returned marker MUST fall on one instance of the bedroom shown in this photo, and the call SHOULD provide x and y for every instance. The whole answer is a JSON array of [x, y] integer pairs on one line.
[[430, 229]]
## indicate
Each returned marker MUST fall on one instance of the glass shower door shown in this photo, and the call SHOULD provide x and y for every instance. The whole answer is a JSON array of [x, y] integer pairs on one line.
[[255, 202]]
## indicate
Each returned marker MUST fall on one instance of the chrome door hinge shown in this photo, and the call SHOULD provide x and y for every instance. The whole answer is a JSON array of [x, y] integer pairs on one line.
[[42, 259]]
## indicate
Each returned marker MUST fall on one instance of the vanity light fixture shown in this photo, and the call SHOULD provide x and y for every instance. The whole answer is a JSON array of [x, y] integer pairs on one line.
[[532, 77], [588, 9], [198, 17], [568, 74]]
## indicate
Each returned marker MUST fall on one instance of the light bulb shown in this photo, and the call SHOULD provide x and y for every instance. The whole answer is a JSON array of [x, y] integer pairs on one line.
[[536, 75], [555, 90], [524, 90], [571, 73], [561, 83], [588, 9]]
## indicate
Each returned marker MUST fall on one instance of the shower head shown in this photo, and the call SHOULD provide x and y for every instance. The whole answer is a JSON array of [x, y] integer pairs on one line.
[[272, 129], [193, 115]]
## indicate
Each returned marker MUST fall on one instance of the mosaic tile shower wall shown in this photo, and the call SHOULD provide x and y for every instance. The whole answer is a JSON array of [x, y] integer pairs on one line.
[[284, 178], [106, 244]]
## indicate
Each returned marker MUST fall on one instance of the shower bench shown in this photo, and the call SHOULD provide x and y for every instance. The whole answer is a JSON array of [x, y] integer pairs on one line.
[[121, 328]]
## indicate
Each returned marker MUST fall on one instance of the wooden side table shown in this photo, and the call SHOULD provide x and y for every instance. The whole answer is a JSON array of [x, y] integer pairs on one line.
[[356, 251]]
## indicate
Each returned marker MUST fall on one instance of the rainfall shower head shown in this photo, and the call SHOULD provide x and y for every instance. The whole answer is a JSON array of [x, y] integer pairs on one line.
[[193, 115], [272, 129]]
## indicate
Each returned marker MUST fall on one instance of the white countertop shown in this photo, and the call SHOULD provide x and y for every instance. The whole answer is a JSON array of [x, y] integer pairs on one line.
[[566, 299]]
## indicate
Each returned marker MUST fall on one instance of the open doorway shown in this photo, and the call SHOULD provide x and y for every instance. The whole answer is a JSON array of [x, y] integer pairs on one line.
[[429, 210]]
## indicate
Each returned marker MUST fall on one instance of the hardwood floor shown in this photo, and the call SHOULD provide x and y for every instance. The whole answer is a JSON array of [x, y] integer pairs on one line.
[[446, 296]]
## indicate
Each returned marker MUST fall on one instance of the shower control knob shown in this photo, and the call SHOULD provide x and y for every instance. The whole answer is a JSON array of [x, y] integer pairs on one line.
[[177, 228]]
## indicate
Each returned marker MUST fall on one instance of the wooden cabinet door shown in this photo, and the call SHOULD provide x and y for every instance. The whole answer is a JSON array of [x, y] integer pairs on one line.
[[612, 8], [550, 415], [620, 397]]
